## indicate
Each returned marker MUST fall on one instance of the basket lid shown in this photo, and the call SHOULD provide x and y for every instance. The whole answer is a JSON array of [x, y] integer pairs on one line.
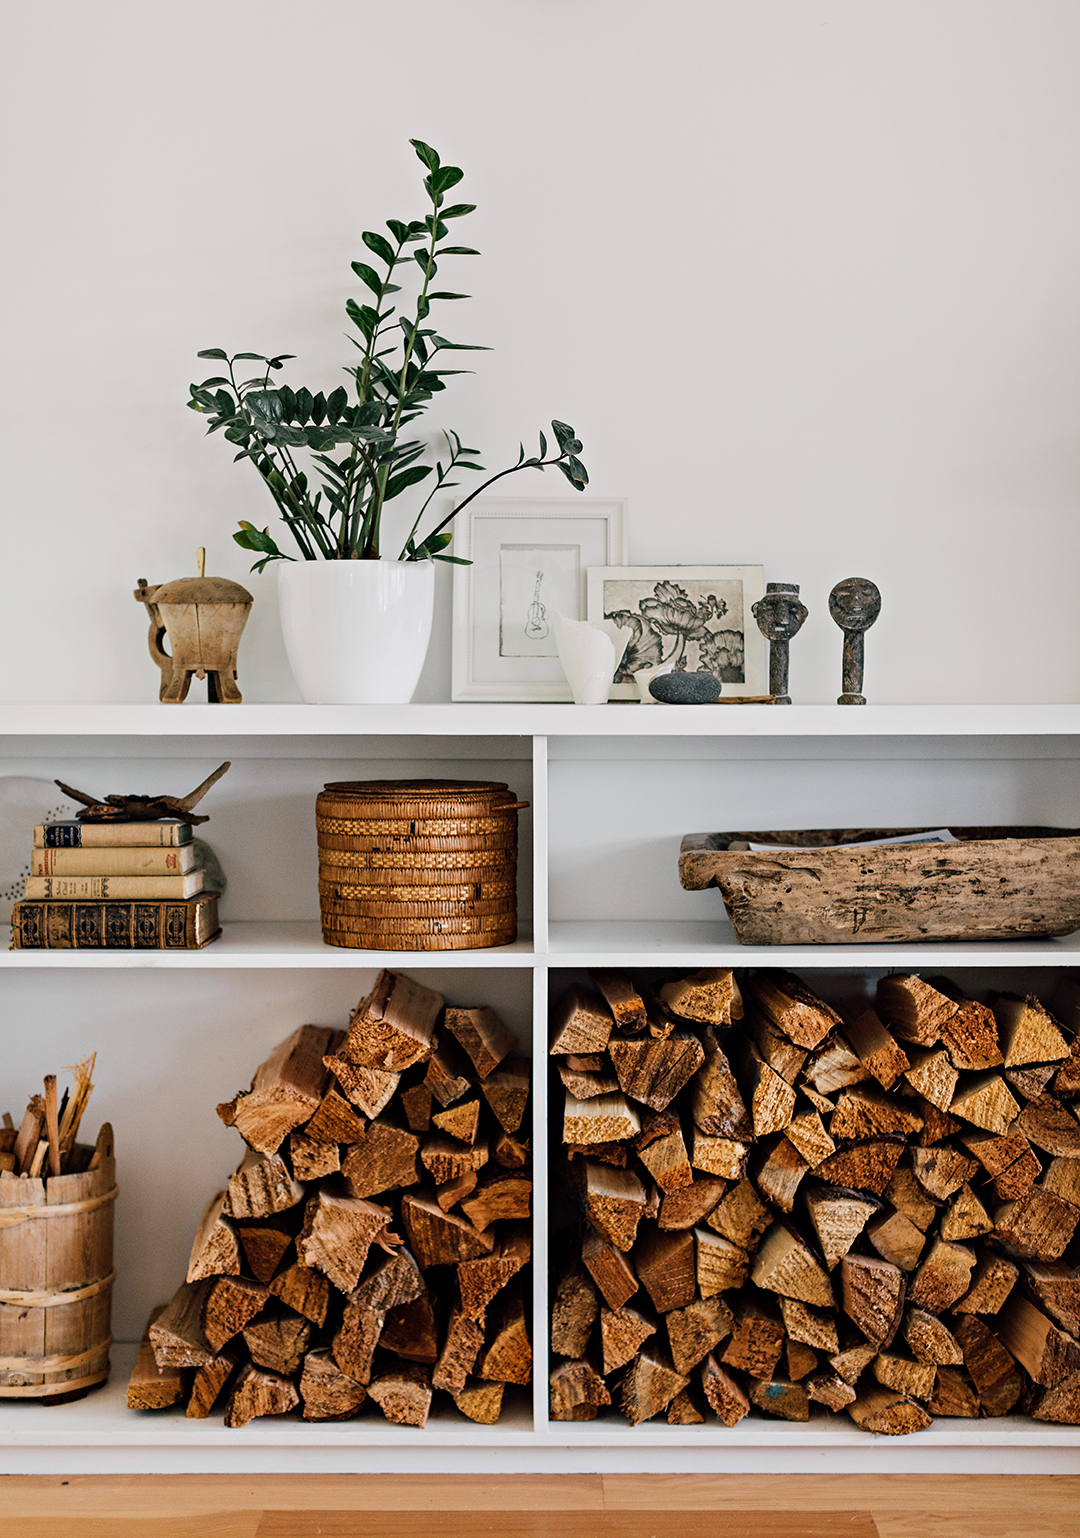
[[380, 790]]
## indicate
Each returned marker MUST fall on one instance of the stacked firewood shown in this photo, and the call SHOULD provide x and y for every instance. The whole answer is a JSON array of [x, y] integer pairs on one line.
[[781, 1206], [371, 1244]]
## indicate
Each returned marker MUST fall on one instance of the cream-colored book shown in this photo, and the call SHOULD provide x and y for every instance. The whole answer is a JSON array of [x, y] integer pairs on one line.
[[123, 888], [69, 833], [139, 861]]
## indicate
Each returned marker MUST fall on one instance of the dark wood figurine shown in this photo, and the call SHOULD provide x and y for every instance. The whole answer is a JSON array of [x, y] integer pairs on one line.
[[854, 604], [203, 618], [780, 616]]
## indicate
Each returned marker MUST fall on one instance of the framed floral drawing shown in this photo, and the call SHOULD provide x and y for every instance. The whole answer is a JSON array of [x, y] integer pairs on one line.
[[528, 559], [694, 617]]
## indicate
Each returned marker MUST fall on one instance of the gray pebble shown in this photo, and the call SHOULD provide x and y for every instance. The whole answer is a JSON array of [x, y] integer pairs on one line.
[[685, 688]]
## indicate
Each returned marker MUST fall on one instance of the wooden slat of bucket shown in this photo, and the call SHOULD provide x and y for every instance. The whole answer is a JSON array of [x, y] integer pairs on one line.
[[22, 1266], [344, 939]]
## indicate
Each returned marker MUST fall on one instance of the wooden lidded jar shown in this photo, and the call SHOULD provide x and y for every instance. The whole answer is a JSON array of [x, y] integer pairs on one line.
[[204, 618], [418, 865], [56, 1276]]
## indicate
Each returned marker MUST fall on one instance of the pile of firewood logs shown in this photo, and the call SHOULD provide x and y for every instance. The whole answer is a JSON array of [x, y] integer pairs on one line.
[[782, 1206], [370, 1246]]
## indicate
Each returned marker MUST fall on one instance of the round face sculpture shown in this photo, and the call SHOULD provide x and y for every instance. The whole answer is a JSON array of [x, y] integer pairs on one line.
[[779, 615], [855, 603]]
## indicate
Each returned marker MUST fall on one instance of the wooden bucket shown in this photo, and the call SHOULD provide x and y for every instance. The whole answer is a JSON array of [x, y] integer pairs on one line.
[[418, 864], [56, 1276]]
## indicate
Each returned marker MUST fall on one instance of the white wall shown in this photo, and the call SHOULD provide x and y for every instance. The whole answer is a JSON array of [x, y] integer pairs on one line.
[[803, 274]]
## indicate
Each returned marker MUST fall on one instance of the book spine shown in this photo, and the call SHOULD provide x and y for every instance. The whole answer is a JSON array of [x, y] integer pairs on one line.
[[111, 835], [103, 888], [132, 861], [116, 926]]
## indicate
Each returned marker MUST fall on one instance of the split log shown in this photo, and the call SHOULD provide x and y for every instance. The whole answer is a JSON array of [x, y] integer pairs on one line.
[[970, 1037], [576, 1391], [774, 1048], [448, 1075], [304, 1290], [724, 1392], [788, 1401], [581, 1022], [930, 1340], [208, 1383], [1061, 1403], [954, 1394], [403, 1393], [865, 1166], [806, 1134], [907, 1196], [777, 1168], [654, 1072], [461, 1347], [259, 1393], [991, 1368], [992, 1281], [479, 1280], [461, 1121], [574, 1311], [1051, 1126], [328, 1394], [440, 1238], [511, 1153], [684, 1410], [944, 1275], [1032, 1081], [1044, 1351], [784, 1264], [791, 1006], [265, 1242], [386, 1160], [838, 1218], [586, 1084], [965, 1217], [482, 1036], [873, 1297], [614, 1202], [392, 1027], [1056, 1288], [277, 1341], [810, 1326], [311, 1159], [506, 1091], [1007, 1160], [609, 1269], [865, 1111], [229, 1304], [1062, 1178], [261, 1186], [985, 1102], [933, 1077], [709, 996], [888, 1413], [603, 1119], [410, 1330], [662, 1149], [942, 1171], [876, 1049], [453, 1191], [770, 1098], [757, 1340], [285, 1091], [666, 1267], [690, 1206], [896, 1239], [720, 1264], [335, 1121], [904, 1374], [416, 1102], [800, 1360], [715, 1103], [741, 1216], [622, 1336], [151, 1387], [503, 1196], [216, 1247], [937, 1124], [829, 1389], [622, 999], [649, 1387], [834, 1066], [1028, 1031], [480, 1402], [177, 1334], [850, 1363], [338, 1232], [607, 1153], [913, 1009], [693, 1331], [371, 1089], [1037, 1226], [446, 1159], [717, 1155]]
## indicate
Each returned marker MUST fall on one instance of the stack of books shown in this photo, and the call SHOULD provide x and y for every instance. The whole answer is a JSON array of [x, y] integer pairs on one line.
[[117, 885]]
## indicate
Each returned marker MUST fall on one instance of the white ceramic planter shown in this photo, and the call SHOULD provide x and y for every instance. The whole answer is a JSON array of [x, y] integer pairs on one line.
[[356, 632]]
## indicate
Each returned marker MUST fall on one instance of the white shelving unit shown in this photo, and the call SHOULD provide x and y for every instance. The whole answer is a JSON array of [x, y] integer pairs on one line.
[[612, 788]]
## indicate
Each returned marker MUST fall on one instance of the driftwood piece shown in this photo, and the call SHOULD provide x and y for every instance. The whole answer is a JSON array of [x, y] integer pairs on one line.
[[284, 1093], [151, 1387], [392, 1027], [259, 1393], [215, 1250], [482, 1036], [328, 1394]]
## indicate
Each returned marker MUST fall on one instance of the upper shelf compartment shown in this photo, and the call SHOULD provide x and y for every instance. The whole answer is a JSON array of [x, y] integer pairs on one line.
[[524, 720]]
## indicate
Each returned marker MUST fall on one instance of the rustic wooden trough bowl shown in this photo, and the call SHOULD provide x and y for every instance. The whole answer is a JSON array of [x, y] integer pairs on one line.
[[994, 884]]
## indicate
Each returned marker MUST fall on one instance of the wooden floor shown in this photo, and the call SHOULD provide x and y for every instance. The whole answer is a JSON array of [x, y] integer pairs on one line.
[[525, 1506]]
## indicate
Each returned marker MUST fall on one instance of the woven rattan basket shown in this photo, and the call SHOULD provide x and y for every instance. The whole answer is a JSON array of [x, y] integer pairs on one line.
[[418, 865]]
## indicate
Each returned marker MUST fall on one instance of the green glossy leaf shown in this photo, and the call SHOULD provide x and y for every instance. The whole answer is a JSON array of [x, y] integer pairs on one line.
[[304, 402], [425, 153], [251, 538], [575, 472], [380, 245], [213, 352], [456, 560], [398, 230], [318, 408], [367, 275], [449, 296], [209, 384], [543, 447], [456, 251], [444, 178], [257, 356], [457, 210], [265, 404], [563, 434], [336, 403], [396, 484]]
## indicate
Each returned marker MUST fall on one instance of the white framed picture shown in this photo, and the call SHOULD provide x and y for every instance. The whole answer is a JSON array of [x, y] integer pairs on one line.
[[529, 556], [693, 617]]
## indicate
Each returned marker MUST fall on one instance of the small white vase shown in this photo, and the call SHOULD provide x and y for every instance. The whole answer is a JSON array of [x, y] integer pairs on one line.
[[588, 654], [356, 632], [644, 677]]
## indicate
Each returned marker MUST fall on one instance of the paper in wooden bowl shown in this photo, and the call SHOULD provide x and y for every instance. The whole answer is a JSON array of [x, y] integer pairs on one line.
[[1006, 883]]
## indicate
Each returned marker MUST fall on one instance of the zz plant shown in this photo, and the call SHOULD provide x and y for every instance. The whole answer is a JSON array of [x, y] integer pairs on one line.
[[354, 440]]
